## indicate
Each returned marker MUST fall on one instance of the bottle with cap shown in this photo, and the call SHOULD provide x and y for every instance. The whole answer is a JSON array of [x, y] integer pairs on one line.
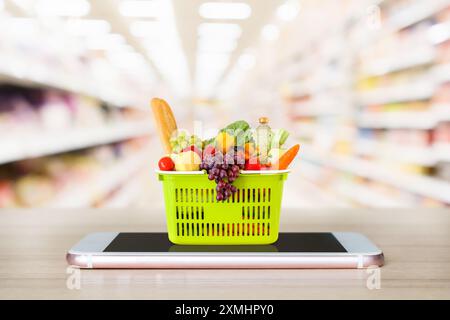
[[263, 139]]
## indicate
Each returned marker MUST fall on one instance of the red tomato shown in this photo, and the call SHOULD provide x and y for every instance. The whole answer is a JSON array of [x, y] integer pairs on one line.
[[253, 164], [267, 166], [193, 148], [166, 164]]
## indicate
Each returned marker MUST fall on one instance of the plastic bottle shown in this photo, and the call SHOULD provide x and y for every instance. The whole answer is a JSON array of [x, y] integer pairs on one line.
[[263, 139]]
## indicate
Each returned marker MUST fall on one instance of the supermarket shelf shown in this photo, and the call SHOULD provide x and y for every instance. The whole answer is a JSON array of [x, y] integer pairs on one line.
[[442, 71], [59, 82], [346, 191], [27, 145], [311, 110], [299, 116], [126, 195], [403, 93], [424, 156], [308, 193], [416, 13], [421, 185], [441, 111], [86, 195], [441, 37], [400, 62], [442, 151], [407, 120], [368, 196]]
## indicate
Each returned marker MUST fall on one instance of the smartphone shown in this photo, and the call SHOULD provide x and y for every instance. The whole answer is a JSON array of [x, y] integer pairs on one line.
[[291, 251]]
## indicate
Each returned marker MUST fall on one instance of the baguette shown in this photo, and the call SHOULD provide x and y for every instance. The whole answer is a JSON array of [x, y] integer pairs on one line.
[[165, 122]]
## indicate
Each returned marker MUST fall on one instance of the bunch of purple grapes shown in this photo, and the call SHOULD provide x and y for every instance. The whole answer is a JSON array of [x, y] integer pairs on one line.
[[224, 170]]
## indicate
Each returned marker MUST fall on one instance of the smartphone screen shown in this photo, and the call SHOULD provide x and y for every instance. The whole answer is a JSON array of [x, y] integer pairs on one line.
[[287, 242]]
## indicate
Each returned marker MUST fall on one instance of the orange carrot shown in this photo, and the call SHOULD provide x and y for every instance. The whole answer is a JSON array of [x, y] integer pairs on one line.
[[286, 159]]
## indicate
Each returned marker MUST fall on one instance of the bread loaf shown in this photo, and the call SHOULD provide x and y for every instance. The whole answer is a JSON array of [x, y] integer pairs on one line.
[[165, 122]]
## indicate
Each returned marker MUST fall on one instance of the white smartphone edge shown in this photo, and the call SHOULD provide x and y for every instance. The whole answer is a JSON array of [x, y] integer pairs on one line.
[[88, 254]]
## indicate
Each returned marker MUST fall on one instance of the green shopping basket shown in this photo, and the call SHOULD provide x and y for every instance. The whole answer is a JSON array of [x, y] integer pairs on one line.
[[250, 216]]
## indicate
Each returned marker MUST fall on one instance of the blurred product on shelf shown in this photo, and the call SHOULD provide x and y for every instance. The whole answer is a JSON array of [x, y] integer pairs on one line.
[[29, 109], [40, 122], [79, 178], [36, 52], [367, 95], [372, 114]]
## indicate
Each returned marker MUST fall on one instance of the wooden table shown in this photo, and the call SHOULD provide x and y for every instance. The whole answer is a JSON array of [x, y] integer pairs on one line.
[[416, 244]]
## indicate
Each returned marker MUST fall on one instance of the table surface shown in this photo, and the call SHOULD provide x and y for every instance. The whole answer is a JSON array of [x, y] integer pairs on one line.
[[416, 244]]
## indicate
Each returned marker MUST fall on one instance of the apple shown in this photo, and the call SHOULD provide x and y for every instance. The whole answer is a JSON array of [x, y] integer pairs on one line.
[[187, 161], [194, 149]]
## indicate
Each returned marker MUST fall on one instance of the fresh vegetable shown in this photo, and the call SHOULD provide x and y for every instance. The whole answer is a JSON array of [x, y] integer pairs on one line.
[[286, 159], [253, 164], [187, 161], [279, 137], [275, 154], [236, 147], [166, 164], [241, 131], [236, 126], [193, 148], [225, 141]]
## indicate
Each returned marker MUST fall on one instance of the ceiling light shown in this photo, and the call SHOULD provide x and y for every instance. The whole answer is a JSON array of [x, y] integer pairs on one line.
[[213, 60], [139, 8], [144, 29], [2, 5], [289, 10], [127, 59], [225, 10], [247, 61], [220, 30], [20, 26], [216, 45], [270, 32], [439, 33], [66, 8], [82, 27], [25, 5], [112, 41], [209, 69]]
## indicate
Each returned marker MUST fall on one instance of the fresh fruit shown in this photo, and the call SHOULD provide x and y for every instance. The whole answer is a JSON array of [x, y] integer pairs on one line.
[[286, 159], [209, 150], [249, 150], [166, 164], [181, 140], [224, 141], [253, 164], [224, 170], [193, 148], [187, 161]]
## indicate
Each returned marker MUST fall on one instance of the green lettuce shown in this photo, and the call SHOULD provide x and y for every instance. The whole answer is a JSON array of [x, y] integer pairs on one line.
[[279, 137]]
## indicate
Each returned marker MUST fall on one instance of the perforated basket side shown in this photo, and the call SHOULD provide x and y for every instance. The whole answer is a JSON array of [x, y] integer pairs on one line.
[[251, 216]]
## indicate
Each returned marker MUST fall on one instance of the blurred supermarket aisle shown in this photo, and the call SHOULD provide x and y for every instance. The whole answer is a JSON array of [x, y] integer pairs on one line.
[[367, 94]]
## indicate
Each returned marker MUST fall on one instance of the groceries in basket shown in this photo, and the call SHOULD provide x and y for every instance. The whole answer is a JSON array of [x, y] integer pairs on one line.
[[236, 147], [226, 190]]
